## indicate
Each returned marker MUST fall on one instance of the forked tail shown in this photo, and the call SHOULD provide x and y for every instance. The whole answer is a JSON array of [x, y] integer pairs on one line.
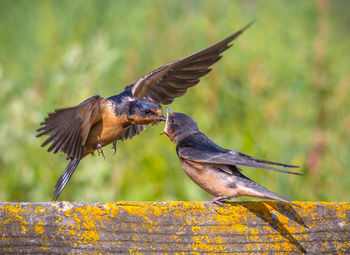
[[248, 187], [63, 180]]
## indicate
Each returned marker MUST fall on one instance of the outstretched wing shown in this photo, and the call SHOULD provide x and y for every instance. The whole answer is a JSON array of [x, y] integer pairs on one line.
[[172, 80], [69, 128], [202, 149]]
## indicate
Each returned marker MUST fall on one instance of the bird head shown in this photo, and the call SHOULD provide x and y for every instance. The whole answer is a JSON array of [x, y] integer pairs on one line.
[[145, 111], [179, 125]]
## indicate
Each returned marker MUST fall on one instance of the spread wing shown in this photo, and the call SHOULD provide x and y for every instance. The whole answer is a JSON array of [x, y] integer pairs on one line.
[[203, 150], [69, 128], [172, 80]]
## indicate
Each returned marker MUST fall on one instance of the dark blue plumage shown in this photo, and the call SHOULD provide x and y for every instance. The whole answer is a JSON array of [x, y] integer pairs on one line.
[[80, 130], [212, 167]]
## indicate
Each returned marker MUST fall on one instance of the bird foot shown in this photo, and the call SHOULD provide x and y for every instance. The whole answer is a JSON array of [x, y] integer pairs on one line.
[[115, 147], [99, 150], [217, 201]]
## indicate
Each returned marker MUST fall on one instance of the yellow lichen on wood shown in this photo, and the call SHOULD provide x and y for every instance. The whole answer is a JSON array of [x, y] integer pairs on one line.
[[40, 210], [39, 228], [175, 227]]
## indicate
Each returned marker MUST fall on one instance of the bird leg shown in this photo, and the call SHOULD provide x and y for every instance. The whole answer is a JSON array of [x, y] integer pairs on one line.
[[115, 147], [217, 201], [99, 150]]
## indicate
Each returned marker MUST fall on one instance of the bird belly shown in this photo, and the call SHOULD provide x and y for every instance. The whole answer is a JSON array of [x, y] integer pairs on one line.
[[111, 128], [221, 184], [209, 178]]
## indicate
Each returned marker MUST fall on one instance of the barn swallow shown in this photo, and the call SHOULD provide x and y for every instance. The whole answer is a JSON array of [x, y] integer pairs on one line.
[[212, 167], [80, 130]]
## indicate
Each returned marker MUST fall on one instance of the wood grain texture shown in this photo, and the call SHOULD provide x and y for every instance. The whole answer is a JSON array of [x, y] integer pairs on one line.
[[174, 227]]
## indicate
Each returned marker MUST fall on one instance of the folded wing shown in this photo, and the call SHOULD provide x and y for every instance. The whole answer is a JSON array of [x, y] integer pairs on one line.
[[206, 151]]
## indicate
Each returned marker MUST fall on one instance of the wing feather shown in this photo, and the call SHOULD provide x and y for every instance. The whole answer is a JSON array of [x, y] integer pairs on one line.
[[69, 128], [199, 148], [182, 74], [194, 154], [132, 131]]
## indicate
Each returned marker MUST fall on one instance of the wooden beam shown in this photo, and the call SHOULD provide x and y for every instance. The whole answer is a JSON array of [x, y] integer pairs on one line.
[[174, 227]]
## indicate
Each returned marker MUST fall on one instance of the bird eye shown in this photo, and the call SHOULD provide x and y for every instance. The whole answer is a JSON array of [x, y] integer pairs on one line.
[[147, 111], [173, 121]]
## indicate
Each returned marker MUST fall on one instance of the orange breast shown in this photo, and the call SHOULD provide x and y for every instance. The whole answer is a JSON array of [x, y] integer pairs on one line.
[[109, 129]]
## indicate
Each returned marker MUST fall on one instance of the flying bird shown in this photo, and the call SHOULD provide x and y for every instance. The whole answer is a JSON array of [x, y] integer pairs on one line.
[[80, 130], [214, 168]]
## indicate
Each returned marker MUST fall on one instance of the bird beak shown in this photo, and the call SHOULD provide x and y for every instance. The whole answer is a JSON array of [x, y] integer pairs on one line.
[[161, 118], [168, 111]]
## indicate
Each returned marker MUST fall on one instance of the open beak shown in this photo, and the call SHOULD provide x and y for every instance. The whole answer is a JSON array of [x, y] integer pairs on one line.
[[161, 118], [167, 128], [158, 119], [168, 111]]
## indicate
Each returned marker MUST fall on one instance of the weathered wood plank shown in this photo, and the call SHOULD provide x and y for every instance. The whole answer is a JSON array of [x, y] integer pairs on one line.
[[174, 227]]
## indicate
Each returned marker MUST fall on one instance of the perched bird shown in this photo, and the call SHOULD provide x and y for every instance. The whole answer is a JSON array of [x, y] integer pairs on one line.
[[212, 167], [97, 122]]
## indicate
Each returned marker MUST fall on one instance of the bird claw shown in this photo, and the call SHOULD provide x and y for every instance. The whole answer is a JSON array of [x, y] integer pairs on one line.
[[100, 151], [115, 147], [218, 202]]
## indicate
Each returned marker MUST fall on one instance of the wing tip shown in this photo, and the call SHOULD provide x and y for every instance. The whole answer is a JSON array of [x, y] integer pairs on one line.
[[246, 26], [236, 34], [292, 166], [249, 24]]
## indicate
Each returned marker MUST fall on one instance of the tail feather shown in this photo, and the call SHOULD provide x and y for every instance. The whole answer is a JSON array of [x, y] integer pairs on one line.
[[248, 187], [246, 160], [265, 161], [65, 177], [261, 166]]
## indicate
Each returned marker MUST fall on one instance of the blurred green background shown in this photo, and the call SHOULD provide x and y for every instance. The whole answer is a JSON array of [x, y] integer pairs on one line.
[[280, 93]]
